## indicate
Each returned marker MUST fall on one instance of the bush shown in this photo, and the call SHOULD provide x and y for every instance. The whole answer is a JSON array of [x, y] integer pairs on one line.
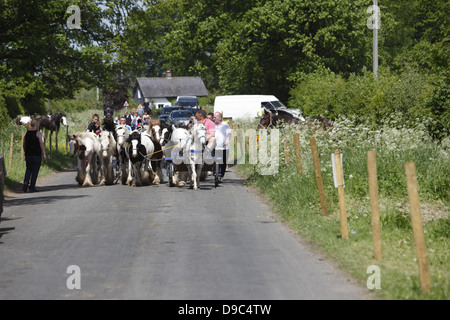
[[410, 95]]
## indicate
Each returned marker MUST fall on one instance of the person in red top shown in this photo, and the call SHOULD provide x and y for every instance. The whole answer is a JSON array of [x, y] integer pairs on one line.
[[210, 129]]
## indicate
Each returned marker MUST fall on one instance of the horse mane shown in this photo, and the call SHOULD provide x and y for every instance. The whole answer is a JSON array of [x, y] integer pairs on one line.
[[86, 135]]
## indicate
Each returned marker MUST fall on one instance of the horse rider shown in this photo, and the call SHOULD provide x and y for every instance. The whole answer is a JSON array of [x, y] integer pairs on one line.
[[210, 130], [94, 126]]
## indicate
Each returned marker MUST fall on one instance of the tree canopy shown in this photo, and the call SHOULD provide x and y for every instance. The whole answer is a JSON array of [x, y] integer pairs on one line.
[[237, 47]]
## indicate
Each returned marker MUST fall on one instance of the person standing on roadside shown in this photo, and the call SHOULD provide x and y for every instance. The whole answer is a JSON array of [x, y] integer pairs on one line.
[[223, 137], [34, 148]]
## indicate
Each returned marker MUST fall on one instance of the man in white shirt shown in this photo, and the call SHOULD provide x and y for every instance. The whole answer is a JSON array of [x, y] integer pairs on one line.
[[223, 136]]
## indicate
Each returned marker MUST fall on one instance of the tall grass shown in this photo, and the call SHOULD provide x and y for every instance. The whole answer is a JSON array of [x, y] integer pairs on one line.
[[295, 197]]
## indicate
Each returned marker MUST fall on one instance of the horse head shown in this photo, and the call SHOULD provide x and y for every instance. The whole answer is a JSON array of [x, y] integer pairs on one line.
[[64, 119], [154, 130], [107, 143], [199, 133], [266, 120], [122, 135], [135, 141], [73, 144], [166, 134], [58, 119]]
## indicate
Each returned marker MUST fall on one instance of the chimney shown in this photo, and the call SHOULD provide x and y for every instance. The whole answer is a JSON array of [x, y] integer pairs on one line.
[[169, 73]]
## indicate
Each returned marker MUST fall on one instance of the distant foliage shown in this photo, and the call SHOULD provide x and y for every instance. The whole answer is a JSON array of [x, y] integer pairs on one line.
[[410, 95]]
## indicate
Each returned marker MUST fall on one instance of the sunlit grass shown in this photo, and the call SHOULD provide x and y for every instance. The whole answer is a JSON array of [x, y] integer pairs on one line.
[[294, 196]]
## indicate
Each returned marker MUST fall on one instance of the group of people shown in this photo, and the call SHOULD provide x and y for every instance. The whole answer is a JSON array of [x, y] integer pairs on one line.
[[137, 117], [218, 135]]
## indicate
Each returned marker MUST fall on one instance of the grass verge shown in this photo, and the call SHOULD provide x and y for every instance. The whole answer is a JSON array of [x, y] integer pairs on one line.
[[295, 198]]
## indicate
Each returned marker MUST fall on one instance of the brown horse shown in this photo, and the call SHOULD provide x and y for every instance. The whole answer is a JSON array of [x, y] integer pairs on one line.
[[52, 124], [274, 118]]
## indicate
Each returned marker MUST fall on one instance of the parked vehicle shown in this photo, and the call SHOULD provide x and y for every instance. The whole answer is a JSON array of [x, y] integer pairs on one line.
[[180, 117], [188, 102], [165, 113], [245, 106]]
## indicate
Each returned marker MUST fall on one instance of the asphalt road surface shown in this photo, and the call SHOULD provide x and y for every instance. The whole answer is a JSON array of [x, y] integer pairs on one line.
[[156, 242]]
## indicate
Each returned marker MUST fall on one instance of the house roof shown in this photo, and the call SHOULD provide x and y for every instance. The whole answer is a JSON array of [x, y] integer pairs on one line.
[[171, 87]]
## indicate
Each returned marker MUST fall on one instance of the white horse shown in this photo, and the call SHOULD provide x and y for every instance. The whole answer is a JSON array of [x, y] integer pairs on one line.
[[88, 146], [108, 145], [122, 136], [195, 147], [173, 140]]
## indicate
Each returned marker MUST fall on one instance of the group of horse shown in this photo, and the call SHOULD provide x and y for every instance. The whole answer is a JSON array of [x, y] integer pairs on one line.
[[50, 123], [140, 153]]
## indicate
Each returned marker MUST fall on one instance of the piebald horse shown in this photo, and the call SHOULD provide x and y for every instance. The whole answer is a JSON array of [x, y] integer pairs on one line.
[[52, 123], [139, 148], [125, 165]]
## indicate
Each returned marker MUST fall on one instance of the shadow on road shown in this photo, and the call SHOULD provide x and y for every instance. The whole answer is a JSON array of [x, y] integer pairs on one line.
[[4, 231], [38, 200]]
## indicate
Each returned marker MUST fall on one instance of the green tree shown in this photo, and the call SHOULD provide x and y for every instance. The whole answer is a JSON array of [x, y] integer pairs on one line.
[[265, 46], [42, 58]]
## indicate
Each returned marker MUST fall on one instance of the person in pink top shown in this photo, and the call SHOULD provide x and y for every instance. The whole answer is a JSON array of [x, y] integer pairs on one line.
[[210, 129]]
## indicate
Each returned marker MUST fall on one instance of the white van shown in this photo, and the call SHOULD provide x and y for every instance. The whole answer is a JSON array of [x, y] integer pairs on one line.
[[245, 107]]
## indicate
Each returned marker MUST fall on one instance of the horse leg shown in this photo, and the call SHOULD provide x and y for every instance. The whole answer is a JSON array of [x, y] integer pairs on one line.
[[136, 167], [81, 172], [123, 167], [130, 173], [199, 173], [193, 176], [159, 172], [103, 172], [88, 179], [56, 140], [45, 130], [146, 173], [156, 177], [110, 179], [51, 134]]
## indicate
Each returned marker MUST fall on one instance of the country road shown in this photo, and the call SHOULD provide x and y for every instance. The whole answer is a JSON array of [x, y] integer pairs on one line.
[[157, 242]]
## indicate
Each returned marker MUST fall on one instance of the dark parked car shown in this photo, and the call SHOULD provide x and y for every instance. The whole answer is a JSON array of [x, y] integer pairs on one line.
[[165, 113], [188, 102], [180, 117]]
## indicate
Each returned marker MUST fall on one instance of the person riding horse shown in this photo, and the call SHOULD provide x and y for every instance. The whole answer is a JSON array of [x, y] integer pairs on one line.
[[210, 130]]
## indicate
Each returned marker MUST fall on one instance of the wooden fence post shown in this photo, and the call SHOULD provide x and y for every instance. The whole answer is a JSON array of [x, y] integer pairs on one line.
[[416, 220], [341, 194], [373, 192], [298, 154], [323, 202]]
